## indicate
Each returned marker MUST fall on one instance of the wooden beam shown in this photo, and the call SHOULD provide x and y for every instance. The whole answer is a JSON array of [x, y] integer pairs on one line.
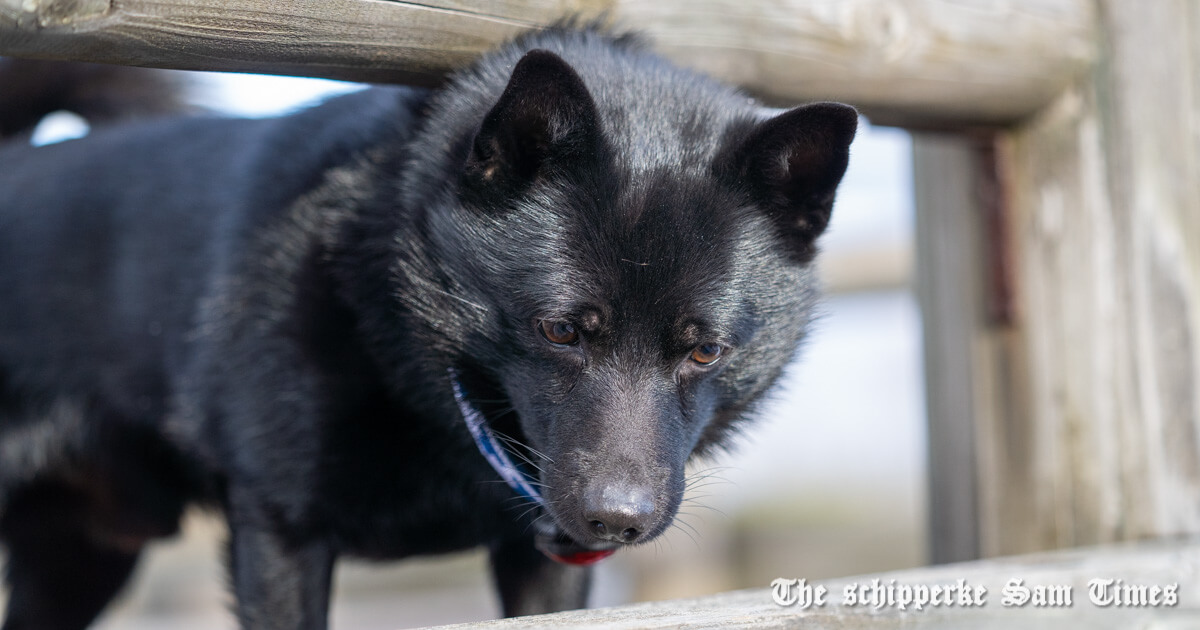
[[915, 62], [1152, 564], [981, 435], [357, 40], [951, 291], [1105, 227], [904, 62]]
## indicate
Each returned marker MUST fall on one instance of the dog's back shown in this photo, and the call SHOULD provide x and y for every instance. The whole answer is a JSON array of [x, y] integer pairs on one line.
[[103, 265], [55, 272], [110, 247]]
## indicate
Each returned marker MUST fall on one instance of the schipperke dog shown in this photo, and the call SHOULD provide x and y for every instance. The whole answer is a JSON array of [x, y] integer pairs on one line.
[[571, 268]]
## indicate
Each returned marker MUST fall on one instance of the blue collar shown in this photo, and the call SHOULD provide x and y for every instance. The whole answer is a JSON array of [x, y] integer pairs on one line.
[[516, 477]]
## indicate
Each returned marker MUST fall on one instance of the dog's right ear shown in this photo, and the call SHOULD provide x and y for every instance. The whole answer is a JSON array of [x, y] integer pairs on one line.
[[544, 117], [792, 164]]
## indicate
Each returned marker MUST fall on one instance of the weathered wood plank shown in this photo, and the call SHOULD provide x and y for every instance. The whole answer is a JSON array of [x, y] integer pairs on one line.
[[361, 40], [915, 62], [1158, 563], [984, 493], [950, 293], [1105, 221]]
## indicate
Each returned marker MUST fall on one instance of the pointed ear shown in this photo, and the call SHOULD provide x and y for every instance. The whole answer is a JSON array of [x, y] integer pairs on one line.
[[545, 114], [792, 164]]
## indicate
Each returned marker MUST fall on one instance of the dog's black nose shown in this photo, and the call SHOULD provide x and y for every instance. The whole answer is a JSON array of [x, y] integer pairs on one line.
[[619, 514]]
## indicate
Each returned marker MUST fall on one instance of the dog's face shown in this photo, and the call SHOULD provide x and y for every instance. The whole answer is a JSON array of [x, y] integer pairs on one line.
[[629, 315]]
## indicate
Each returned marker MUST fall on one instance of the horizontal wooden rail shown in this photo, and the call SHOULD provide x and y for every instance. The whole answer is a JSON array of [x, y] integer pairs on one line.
[[915, 62], [1167, 565]]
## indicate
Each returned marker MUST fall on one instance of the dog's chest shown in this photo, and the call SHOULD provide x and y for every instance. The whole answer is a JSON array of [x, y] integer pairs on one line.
[[413, 489]]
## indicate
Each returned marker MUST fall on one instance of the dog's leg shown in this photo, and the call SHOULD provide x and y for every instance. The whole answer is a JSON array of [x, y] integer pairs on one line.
[[60, 576], [278, 583], [530, 583]]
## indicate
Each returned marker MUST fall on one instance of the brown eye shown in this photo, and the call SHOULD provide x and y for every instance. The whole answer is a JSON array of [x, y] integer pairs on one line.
[[707, 353], [561, 333]]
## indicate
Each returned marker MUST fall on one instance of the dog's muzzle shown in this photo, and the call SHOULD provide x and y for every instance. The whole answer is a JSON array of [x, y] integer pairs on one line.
[[549, 539]]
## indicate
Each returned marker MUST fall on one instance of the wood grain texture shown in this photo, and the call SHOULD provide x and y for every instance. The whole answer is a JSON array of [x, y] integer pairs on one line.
[[981, 436], [1155, 563], [362, 40], [916, 62], [1106, 223], [903, 62]]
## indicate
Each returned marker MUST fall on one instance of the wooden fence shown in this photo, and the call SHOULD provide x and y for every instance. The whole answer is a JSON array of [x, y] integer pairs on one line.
[[1058, 195], [922, 62]]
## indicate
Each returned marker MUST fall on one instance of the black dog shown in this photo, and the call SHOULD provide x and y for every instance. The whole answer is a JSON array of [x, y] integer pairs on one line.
[[593, 260]]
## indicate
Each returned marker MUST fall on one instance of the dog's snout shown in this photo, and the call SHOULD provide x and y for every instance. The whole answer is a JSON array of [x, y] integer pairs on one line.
[[618, 513]]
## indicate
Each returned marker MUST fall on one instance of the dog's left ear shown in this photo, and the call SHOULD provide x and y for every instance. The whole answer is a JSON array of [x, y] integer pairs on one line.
[[545, 115], [792, 165]]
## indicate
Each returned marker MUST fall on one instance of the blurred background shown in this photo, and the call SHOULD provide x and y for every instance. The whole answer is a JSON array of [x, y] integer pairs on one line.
[[830, 481]]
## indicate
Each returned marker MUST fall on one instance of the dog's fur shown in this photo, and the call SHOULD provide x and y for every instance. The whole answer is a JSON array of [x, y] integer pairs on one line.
[[263, 316]]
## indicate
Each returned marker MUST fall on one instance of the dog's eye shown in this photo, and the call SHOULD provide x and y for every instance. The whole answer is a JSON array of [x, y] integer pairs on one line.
[[707, 353], [561, 333]]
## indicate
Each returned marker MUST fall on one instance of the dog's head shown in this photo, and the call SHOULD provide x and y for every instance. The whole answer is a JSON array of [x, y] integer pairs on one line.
[[629, 258]]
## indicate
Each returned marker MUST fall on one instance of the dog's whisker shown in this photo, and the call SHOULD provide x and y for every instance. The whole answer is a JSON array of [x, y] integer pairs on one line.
[[535, 522], [681, 523], [676, 525], [705, 479], [530, 509], [711, 470], [527, 461], [713, 477], [518, 501], [526, 512], [537, 484], [711, 508], [702, 485], [538, 519], [511, 440]]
